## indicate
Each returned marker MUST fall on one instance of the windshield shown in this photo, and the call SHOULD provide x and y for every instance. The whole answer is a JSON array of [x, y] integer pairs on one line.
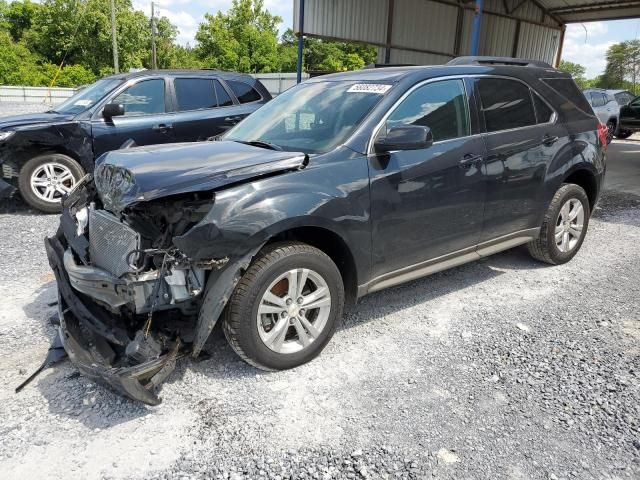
[[312, 117], [88, 97]]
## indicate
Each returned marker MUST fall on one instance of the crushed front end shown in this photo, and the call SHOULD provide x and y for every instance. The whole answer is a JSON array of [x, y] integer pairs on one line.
[[128, 299]]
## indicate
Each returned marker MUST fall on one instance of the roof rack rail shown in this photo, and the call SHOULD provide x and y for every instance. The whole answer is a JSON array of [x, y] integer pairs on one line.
[[385, 65], [517, 62]]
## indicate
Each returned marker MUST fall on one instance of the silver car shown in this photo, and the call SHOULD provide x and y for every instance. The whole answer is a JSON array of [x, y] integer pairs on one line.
[[606, 107]]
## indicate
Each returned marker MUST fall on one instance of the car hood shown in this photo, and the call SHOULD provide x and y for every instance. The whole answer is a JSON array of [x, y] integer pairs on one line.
[[7, 123], [124, 177]]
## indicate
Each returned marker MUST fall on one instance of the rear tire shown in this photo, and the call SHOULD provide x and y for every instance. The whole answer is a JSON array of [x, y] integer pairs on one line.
[[44, 179], [560, 239], [611, 128], [286, 307]]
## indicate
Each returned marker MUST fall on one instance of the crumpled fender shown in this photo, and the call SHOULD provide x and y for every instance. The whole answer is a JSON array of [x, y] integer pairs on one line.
[[219, 288]]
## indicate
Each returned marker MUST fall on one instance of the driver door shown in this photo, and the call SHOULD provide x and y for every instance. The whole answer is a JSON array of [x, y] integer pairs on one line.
[[145, 118], [428, 203]]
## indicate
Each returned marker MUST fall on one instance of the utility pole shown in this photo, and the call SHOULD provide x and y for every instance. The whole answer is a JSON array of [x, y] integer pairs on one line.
[[116, 66], [154, 62]]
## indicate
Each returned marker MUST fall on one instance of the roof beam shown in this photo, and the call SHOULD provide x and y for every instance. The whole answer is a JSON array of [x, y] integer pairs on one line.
[[595, 6]]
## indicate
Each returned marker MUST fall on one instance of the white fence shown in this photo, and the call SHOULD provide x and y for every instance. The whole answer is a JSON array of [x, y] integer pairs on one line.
[[46, 95], [276, 83]]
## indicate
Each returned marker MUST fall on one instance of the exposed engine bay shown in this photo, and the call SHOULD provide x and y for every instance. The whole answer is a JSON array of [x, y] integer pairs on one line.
[[144, 261], [143, 293]]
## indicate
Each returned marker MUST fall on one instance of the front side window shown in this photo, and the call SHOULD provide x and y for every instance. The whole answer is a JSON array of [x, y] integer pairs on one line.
[[441, 106], [244, 92], [195, 93], [143, 98], [312, 117], [506, 104]]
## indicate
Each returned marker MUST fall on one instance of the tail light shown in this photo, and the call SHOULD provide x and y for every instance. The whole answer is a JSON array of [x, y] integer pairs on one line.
[[603, 133]]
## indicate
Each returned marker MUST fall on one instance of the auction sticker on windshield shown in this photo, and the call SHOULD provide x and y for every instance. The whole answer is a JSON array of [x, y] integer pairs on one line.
[[369, 88]]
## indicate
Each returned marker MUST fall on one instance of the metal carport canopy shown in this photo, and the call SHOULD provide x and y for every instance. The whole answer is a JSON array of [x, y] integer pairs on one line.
[[434, 31]]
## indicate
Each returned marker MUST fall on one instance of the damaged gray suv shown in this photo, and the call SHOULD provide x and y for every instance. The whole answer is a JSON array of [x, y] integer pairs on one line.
[[342, 186]]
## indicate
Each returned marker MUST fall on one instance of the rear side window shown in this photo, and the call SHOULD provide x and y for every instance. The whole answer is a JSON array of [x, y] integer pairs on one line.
[[224, 100], [195, 93], [506, 104], [544, 114], [623, 98], [441, 106], [244, 92], [598, 99], [569, 90]]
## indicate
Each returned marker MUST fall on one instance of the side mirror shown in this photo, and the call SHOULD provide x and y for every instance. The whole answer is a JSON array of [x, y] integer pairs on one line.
[[405, 137], [112, 110]]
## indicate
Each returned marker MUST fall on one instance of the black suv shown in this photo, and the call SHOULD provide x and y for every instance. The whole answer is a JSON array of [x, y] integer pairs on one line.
[[341, 186], [45, 154]]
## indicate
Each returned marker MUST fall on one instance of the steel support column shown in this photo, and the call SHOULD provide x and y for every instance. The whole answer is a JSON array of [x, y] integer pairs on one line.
[[559, 57], [387, 48], [477, 25], [300, 41]]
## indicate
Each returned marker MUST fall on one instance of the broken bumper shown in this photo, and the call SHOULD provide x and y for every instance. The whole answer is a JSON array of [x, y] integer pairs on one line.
[[90, 341]]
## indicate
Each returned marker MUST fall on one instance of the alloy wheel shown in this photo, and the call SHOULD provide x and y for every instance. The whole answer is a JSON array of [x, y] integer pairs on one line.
[[294, 311], [50, 181], [569, 225]]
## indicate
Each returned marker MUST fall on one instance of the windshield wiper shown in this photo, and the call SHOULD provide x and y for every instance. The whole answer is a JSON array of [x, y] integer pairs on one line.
[[261, 144]]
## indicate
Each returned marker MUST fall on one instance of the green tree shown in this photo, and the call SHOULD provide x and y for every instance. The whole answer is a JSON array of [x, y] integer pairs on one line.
[[623, 66], [244, 39], [322, 55], [577, 72], [79, 32], [19, 17]]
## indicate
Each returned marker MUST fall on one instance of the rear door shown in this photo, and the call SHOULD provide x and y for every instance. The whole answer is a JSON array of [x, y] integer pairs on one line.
[[522, 137], [203, 108], [146, 119]]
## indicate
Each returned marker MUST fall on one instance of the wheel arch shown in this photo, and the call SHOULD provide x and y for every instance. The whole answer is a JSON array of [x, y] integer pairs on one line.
[[585, 178], [332, 244]]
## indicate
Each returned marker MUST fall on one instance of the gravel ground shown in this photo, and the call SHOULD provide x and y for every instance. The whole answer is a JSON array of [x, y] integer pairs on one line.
[[503, 368]]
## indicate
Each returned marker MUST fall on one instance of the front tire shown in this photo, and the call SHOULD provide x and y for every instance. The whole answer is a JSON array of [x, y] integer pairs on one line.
[[286, 307], [564, 227], [622, 134], [46, 178]]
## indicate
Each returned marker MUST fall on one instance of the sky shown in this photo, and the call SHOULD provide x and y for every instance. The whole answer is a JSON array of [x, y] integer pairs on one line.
[[585, 43]]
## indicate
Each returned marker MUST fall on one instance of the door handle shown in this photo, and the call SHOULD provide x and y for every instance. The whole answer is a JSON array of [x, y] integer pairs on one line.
[[470, 160], [549, 140], [162, 128], [233, 120]]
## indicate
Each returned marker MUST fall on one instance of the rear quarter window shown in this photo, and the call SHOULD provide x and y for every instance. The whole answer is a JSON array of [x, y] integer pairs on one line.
[[568, 89], [244, 92]]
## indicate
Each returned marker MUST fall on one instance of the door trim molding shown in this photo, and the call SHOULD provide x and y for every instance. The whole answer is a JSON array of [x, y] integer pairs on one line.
[[444, 262]]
